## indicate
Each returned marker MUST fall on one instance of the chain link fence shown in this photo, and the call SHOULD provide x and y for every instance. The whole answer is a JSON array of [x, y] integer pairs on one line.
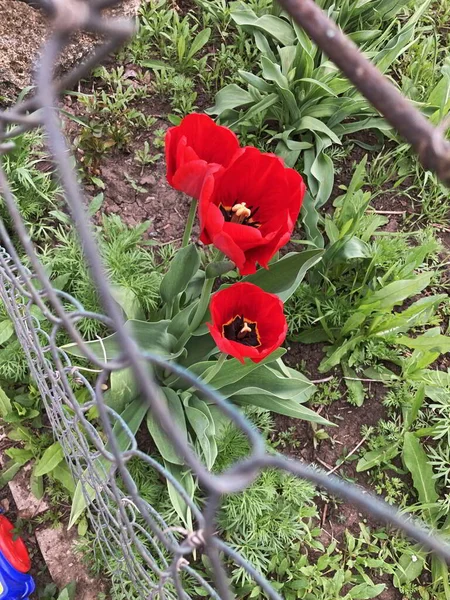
[[155, 559]]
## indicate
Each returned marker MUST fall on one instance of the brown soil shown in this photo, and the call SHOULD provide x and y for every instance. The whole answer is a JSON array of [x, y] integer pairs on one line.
[[23, 29], [137, 194], [163, 206]]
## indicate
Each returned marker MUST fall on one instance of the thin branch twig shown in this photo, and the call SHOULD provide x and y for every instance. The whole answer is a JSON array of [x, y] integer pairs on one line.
[[365, 380], [389, 212], [324, 380], [358, 445]]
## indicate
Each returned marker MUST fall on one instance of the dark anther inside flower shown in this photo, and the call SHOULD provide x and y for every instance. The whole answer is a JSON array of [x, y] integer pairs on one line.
[[239, 329]]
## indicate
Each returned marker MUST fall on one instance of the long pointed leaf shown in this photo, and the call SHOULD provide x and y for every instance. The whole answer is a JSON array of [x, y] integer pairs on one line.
[[133, 416]]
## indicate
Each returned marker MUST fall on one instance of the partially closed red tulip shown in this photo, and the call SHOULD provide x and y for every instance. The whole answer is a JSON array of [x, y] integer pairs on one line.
[[247, 322], [196, 148], [250, 210]]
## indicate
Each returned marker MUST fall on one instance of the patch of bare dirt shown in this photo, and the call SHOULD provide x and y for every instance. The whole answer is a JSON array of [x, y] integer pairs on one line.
[[24, 29], [336, 517], [155, 201], [309, 354]]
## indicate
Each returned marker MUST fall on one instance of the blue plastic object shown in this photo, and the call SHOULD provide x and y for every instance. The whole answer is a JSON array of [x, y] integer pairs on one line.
[[14, 585], [15, 563]]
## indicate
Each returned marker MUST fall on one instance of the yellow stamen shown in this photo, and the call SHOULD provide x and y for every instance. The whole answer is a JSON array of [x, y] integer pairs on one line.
[[241, 212], [245, 329]]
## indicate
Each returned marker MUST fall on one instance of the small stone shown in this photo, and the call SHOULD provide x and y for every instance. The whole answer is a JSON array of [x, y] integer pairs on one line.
[[129, 74], [27, 504], [56, 546], [149, 180]]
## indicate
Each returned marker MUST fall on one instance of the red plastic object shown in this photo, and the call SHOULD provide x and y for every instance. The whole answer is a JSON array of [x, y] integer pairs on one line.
[[14, 550]]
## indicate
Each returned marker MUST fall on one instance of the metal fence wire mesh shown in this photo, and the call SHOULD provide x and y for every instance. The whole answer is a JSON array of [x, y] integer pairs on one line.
[[154, 559]]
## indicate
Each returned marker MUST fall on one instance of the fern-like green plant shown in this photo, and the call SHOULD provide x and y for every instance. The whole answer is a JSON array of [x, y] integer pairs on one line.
[[129, 264], [34, 189], [13, 362]]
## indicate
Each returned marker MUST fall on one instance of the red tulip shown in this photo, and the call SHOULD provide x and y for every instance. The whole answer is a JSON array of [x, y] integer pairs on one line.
[[247, 322], [250, 210], [195, 148]]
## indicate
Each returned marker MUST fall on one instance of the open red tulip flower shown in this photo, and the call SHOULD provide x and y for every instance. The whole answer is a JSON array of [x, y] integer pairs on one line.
[[247, 322], [195, 148], [249, 212]]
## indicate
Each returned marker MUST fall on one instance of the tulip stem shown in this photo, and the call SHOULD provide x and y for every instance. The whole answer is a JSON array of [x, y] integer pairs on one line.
[[189, 223], [203, 304], [213, 370], [215, 367]]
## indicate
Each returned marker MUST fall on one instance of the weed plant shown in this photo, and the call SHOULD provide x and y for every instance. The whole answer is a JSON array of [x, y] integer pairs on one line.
[[274, 524], [131, 267], [349, 298], [31, 182]]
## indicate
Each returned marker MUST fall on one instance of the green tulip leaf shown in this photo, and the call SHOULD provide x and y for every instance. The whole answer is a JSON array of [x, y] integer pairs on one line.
[[123, 389], [84, 494], [203, 407], [280, 406], [162, 441], [230, 97], [276, 27], [182, 269], [152, 336], [128, 302], [285, 275], [187, 482], [200, 424], [266, 380], [232, 371]]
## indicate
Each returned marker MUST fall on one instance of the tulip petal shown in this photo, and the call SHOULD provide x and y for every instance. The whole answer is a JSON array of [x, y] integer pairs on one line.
[[211, 142], [271, 191], [196, 147], [224, 345], [189, 178], [245, 237], [248, 301], [226, 244]]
